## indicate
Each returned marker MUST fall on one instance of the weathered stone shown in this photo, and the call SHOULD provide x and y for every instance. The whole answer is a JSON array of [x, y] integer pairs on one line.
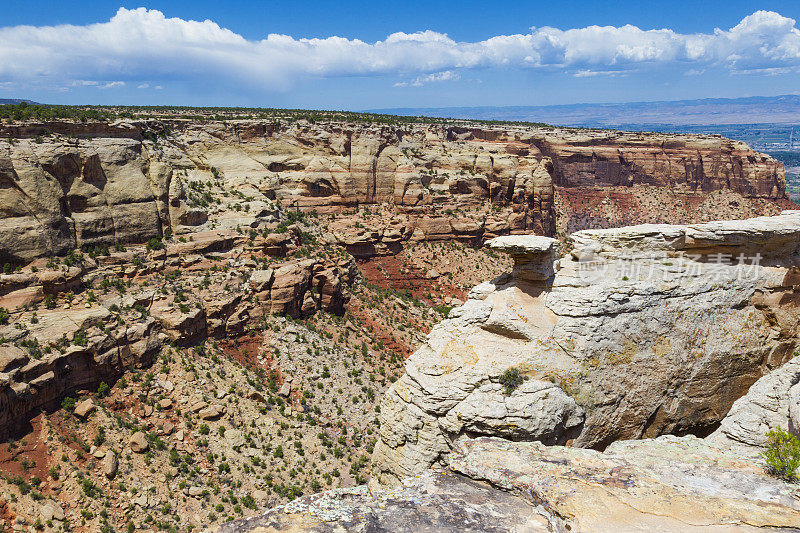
[[110, 464], [773, 401], [85, 408], [447, 503], [211, 412], [533, 255], [644, 344], [665, 484], [260, 280], [138, 442], [11, 357], [52, 511]]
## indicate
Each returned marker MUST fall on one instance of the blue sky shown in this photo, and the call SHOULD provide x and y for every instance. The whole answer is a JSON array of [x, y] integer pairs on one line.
[[358, 55]]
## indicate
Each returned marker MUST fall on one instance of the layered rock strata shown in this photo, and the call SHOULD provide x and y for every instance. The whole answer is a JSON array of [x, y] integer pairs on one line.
[[669, 483], [57, 351], [67, 351], [641, 331], [66, 186]]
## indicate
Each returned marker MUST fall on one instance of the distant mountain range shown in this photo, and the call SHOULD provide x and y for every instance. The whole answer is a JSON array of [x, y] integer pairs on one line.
[[718, 111], [7, 101]]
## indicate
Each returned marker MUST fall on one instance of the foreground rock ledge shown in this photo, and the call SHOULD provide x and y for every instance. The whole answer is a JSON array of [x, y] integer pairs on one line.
[[666, 484], [639, 332], [433, 501]]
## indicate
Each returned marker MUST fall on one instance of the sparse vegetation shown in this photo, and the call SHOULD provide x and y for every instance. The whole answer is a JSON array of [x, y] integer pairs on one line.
[[511, 379], [782, 454]]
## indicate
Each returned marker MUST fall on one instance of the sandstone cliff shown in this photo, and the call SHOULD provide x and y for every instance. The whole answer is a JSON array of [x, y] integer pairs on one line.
[[637, 332], [669, 334], [53, 352], [66, 186], [252, 228]]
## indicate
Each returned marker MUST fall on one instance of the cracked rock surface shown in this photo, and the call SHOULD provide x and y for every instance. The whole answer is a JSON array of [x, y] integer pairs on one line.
[[638, 340]]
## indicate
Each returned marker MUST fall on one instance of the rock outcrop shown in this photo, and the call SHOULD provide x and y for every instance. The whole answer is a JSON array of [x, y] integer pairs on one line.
[[637, 332], [641, 331], [433, 501], [669, 483], [49, 353], [773, 401], [65, 186], [64, 352], [60, 194], [663, 484]]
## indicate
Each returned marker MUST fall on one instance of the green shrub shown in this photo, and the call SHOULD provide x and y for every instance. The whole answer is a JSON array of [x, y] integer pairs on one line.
[[782, 454], [155, 244], [103, 389], [4, 314], [511, 379], [68, 404], [80, 338]]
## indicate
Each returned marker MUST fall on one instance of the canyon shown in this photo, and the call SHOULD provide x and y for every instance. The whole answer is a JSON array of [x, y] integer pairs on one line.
[[91, 184], [323, 324]]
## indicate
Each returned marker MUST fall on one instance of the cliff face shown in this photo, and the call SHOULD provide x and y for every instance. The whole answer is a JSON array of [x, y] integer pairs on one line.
[[682, 163], [657, 342], [667, 484], [638, 332], [66, 186], [64, 350]]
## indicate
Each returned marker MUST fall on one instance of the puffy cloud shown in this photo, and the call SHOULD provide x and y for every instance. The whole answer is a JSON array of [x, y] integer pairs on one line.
[[419, 81], [143, 44]]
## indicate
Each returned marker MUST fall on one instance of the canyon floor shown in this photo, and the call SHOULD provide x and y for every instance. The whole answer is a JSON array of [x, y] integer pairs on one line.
[[235, 424]]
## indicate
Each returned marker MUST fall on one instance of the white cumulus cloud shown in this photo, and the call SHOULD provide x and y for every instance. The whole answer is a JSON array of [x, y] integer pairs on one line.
[[141, 44], [419, 81]]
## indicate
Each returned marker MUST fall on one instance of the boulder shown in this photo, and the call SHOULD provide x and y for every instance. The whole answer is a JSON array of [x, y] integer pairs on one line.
[[85, 408], [11, 357], [52, 511], [261, 280], [138, 442], [110, 464], [211, 412]]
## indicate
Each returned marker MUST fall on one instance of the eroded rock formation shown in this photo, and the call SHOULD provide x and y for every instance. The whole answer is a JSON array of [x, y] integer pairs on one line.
[[67, 349], [641, 331], [667, 483], [66, 186], [637, 332]]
